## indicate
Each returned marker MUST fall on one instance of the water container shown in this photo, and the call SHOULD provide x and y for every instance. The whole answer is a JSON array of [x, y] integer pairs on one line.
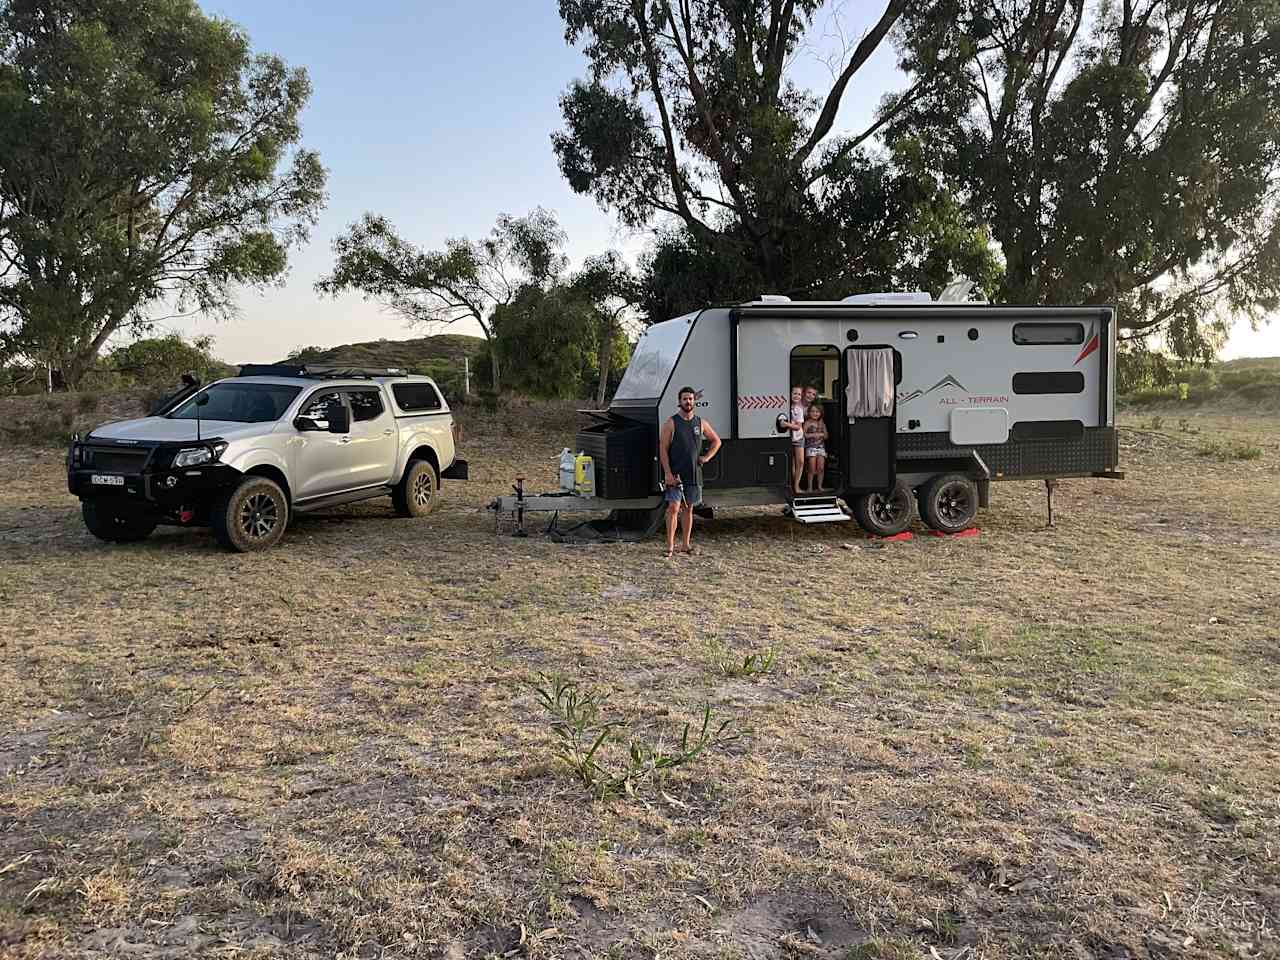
[[567, 467], [585, 475]]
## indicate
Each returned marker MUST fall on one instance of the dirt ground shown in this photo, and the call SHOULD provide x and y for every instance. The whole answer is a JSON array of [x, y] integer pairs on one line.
[[1030, 743]]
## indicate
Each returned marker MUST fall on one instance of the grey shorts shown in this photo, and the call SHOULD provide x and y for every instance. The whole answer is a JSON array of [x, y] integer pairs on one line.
[[689, 493]]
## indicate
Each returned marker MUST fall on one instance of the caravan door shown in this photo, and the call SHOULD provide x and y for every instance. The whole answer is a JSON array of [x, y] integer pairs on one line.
[[871, 412]]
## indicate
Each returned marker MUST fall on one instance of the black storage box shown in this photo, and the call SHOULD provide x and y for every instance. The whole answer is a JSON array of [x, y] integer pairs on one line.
[[623, 453]]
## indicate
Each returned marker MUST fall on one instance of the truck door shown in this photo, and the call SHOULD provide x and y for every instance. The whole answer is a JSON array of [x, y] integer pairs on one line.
[[373, 438], [322, 460], [871, 418]]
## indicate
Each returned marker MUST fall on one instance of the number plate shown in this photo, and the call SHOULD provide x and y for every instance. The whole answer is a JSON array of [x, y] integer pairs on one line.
[[106, 480]]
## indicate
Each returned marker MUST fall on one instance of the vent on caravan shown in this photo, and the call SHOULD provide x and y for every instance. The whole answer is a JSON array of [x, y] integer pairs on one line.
[[772, 298], [957, 291], [878, 299]]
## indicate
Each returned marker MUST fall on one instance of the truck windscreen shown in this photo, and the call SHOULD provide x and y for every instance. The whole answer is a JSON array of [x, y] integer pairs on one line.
[[239, 402]]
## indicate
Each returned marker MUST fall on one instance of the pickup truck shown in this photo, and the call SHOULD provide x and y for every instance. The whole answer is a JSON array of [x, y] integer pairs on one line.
[[244, 454]]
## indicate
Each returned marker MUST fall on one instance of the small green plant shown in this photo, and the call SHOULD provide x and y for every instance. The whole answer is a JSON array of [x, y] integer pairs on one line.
[[751, 666], [1229, 450], [584, 738], [1157, 423]]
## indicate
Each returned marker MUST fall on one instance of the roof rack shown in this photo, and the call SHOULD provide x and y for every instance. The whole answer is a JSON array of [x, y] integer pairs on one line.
[[318, 371]]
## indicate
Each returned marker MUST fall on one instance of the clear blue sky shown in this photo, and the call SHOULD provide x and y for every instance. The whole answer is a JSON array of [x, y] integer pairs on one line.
[[439, 116]]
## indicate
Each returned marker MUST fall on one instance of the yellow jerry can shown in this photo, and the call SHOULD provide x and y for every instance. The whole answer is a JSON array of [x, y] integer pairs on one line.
[[584, 476]]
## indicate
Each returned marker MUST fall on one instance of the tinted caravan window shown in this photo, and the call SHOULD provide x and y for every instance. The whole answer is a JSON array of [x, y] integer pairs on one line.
[[655, 357], [1072, 382], [1032, 334], [416, 397]]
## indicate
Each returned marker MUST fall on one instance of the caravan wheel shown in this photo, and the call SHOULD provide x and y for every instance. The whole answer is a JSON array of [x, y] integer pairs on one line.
[[884, 514], [949, 503]]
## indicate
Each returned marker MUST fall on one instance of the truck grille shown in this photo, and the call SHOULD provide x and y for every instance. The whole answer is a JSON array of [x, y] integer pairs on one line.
[[115, 460]]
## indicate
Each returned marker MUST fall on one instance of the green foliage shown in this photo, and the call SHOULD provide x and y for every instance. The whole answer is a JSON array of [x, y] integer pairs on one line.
[[1229, 450], [464, 280], [583, 738], [148, 156], [689, 112], [751, 666], [1120, 155], [546, 342], [160, 361]]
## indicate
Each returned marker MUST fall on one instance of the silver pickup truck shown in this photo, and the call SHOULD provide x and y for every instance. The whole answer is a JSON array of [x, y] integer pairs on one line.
[[243, 454]]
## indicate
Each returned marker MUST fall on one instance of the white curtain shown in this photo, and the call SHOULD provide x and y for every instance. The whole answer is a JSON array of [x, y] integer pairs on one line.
[[870, 390]]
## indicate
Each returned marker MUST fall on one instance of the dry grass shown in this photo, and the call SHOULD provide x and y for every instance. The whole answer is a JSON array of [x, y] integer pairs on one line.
[[1034, 743]]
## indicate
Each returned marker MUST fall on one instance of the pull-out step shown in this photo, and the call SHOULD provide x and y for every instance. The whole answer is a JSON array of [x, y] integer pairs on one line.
[[818, 510]]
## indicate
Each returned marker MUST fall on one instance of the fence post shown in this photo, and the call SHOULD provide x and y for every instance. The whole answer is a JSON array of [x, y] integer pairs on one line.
[[466, 376]]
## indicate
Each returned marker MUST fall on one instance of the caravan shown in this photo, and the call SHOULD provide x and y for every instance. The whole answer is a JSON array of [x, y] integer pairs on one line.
[[926, 403]]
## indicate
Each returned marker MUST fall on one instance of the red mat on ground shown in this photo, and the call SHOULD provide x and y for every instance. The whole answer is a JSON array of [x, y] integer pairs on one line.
[[897, 537], [971, 532]]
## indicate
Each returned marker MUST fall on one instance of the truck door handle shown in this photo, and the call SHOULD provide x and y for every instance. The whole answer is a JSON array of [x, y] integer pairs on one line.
[[387, 433]]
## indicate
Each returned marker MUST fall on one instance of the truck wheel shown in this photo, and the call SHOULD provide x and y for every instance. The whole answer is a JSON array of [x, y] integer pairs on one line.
[[884, 514], [949, 503], [115, 524], [252, 517], [418, 490]]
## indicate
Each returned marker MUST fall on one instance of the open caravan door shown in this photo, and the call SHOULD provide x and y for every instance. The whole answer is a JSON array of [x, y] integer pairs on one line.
[[871, 407]]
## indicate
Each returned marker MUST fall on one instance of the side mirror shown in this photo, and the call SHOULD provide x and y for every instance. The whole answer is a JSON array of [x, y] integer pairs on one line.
[[202, 400], [339, 419]]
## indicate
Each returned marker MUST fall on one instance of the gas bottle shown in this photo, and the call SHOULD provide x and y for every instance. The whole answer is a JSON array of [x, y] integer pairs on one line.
[[584, 475], [567, 468]]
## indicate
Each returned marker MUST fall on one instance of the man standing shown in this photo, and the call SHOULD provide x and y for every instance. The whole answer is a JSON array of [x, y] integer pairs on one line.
[[680, 453]]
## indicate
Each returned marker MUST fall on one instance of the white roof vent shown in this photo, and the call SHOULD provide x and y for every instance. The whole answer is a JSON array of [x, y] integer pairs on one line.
[[876, 299], [772, 298], [958, 290]]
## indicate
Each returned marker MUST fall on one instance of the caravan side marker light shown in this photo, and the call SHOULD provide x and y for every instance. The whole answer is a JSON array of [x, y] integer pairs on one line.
[[908, 335]]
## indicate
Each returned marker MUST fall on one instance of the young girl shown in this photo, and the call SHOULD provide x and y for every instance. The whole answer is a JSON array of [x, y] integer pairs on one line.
[[815, 450], [796, 426]]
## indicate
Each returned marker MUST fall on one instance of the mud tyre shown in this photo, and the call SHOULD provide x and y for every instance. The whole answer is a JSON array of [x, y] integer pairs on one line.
[[418, 491], [115, 524], [252, 517]]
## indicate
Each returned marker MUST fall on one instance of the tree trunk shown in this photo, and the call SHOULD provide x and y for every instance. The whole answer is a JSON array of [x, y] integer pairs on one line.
[[602, 362]]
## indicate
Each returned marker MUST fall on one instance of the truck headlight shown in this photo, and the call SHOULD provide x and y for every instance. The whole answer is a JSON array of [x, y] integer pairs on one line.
[[194, 456]]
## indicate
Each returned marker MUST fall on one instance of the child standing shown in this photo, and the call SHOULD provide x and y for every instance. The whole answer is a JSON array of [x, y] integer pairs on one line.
[[815, 447], [796, 426]]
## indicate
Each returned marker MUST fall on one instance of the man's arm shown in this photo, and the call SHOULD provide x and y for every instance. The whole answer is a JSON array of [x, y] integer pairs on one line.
[[664, 444], [710, 434]]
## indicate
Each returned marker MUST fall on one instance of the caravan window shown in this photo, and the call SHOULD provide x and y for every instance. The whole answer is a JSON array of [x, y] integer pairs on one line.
[[655, 357], [1034, 334], [816, 366], [1067, 382]]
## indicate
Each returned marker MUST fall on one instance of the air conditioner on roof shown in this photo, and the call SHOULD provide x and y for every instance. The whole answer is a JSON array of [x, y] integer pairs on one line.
[[887, 298]]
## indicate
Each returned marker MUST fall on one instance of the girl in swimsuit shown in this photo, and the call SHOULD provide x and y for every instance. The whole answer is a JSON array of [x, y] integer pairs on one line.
[[815, 450], [796, 426]]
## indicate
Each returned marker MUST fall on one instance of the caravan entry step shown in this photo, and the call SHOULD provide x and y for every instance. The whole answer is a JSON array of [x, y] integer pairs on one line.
[[818, 510]]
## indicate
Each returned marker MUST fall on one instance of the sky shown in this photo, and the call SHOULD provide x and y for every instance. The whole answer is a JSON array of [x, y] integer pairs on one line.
[[439, 115]]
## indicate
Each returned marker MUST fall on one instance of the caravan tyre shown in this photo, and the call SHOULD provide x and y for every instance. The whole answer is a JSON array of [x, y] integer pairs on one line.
[[949, 503], [884, 514]]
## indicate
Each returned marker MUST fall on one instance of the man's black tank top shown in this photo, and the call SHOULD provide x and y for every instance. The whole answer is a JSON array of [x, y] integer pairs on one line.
[[686, 447]]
